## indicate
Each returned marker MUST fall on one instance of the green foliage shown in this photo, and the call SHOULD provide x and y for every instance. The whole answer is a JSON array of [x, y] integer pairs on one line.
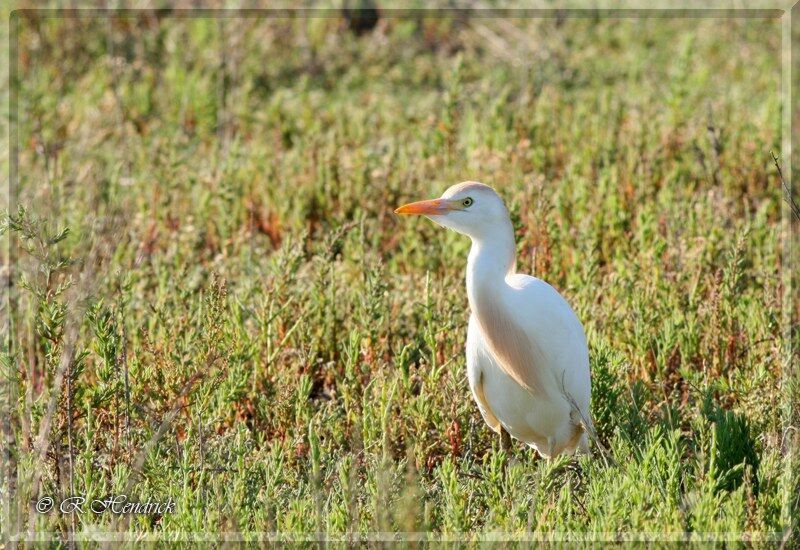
[[733, 449], [607, 394], [208, 255]]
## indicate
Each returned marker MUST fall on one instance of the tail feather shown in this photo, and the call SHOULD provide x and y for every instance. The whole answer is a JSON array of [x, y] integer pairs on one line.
[[584, 420]]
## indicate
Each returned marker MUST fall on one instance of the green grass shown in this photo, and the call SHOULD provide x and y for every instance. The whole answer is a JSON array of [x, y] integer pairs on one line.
[[244, 326]]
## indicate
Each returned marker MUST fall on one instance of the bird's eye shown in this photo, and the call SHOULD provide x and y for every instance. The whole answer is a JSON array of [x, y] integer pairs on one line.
[[467, 202]]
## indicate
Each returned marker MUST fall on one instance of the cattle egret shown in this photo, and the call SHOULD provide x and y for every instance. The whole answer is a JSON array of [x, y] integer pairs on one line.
[[527, 358]]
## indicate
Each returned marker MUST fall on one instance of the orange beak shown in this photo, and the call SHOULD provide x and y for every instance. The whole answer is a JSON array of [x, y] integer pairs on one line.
[[432, 207]]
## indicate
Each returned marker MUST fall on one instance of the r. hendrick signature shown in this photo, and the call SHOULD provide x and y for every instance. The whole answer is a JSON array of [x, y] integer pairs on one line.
[[116, 504]]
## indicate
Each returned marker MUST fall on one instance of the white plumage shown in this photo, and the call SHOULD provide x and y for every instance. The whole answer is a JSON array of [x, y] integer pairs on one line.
[[527, 358]]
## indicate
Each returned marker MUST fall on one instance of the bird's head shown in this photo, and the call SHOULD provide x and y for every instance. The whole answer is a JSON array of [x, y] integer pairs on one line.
[[471, 208]]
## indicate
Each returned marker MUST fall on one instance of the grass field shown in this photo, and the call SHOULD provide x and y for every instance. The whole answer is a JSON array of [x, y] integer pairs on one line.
[[213, 301]]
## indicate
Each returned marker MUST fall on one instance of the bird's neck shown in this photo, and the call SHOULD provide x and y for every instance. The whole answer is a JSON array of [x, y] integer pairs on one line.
[[491, 260]]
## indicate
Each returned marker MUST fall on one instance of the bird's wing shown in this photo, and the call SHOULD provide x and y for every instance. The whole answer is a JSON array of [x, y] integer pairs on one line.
[[520, 355], [535, 337], [560, 355]]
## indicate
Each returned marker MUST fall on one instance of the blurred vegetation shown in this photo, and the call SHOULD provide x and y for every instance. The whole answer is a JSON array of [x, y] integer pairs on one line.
[[213, 301]]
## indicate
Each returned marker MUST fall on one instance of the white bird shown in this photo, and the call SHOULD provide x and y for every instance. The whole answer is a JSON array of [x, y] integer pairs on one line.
[[527, 358]]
